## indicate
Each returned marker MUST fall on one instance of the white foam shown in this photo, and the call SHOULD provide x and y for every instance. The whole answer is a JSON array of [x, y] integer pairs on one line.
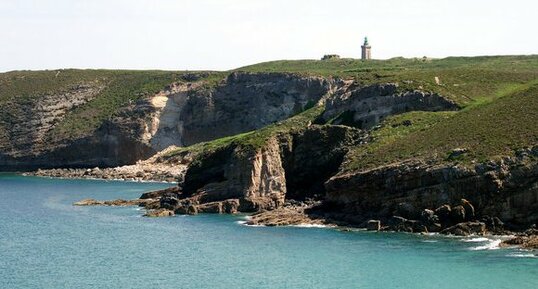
[[311, 226], [429, 241], [522, 255], [491, 245], [473, 240], [244, 223]]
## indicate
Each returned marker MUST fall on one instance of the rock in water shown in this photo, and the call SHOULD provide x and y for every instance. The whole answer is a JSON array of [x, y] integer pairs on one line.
[[374, 225], [466, 229], [159, 213], [88, 202], [118, 203]]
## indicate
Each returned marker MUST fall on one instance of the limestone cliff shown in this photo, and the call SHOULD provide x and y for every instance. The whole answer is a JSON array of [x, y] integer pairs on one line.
[[367, 106], [290, 165], [183, 113]]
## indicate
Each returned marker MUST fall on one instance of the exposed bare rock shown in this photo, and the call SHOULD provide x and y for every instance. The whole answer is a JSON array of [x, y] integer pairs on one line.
[[527, 239], [465, 229], [152, 169], [222, 207], [366, 106], [286, 216], [27, 129], [373, 225], [159, 213], [117, 203], [183, 113], [261, 178], [506, 189]]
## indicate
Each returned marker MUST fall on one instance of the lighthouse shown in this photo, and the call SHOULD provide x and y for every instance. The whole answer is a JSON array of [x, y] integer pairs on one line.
[[366, 50]]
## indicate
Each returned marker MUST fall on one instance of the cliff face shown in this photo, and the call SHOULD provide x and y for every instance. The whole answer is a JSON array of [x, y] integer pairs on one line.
[[507, 189], [181, 114], [288, 166], [31, 122], [247, 102], [29, 141], [365, 107], [304, 165]]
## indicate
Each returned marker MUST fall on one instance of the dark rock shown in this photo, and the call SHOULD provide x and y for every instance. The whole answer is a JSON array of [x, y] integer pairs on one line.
[[399, 224], [457, 215], [160, 193], [152, 205], [435, 227], [373, 225], [465, 229], [113, 203], [469, 210], [428, 217], [407, 210], [169, 202], [457, 153], [231, 206], [416, 226], [159, 213], [493, 224], [443, 212], [192, 210], [214, 207]]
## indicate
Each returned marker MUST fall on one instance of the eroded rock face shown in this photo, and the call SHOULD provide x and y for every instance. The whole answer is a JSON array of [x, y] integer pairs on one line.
[[293, 166], [527, 240], [159, 213], [507, 189], [248, 101], [365, 107], [255, 177], [181, 114], [28, 140], [465, 229], [113, 203], [313, 155], [27, 126]]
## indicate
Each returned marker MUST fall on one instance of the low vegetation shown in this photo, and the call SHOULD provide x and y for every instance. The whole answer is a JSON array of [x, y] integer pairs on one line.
[[463, 79], [485, 130]]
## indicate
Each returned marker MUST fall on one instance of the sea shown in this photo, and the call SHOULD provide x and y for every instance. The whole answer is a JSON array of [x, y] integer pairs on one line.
[[46, 242]]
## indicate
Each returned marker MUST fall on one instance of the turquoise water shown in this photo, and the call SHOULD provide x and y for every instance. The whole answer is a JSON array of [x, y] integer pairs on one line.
[[47, 243]]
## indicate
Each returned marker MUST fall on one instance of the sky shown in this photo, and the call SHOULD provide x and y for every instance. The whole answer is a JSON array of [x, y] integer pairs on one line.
[[226, 34]]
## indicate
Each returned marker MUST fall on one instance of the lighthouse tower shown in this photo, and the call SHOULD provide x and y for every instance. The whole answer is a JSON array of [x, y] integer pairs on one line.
[[366, 50]]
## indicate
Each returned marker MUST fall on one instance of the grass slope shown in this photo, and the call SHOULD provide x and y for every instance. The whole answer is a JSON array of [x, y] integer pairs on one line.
[[463, 79], [488, 130]]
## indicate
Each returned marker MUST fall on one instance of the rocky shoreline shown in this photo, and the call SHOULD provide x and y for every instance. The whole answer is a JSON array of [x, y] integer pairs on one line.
[[444, 220], [124, 173]]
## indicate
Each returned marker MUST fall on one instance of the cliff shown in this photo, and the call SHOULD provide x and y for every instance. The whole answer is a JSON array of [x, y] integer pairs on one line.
[[64, 129]]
